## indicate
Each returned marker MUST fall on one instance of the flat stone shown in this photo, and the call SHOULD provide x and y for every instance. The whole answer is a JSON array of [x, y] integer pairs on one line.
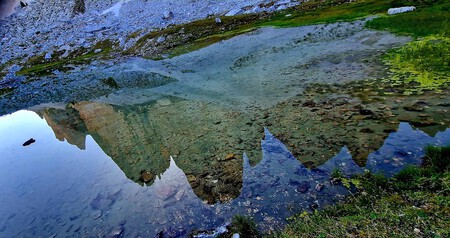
[[164, 102]]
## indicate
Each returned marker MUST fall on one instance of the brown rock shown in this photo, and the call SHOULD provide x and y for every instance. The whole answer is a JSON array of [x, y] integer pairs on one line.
[[146, 177]]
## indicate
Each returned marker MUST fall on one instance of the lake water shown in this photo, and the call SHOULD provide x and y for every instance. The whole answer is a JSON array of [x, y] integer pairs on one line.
[[254, 125], [54, 188]]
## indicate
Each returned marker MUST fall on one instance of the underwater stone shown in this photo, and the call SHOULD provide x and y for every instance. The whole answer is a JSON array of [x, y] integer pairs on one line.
[[303, 187], [146, 177], [29, 142]]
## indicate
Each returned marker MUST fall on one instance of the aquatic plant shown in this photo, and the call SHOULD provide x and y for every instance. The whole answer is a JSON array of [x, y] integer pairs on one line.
[[421, 65]]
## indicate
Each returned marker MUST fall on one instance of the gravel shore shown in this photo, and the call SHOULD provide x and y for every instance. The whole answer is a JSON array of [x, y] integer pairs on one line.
[[46, 26]]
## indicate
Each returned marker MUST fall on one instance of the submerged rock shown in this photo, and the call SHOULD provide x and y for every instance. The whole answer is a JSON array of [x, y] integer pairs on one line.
[[29, 142], [303, 187], [416, 107], [146, 177]]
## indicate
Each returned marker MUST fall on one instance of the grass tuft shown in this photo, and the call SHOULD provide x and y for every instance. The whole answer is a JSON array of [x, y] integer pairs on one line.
[[244, 226], [438, 157]]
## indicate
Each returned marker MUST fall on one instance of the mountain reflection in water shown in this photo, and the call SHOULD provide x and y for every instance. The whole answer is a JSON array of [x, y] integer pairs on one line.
[[52, 187], [208, 140]]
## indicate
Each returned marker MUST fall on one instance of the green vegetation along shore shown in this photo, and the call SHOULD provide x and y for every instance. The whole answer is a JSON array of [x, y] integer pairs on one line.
[[415, 203]]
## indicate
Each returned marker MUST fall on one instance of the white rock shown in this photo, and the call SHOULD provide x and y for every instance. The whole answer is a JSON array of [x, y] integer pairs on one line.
[[97, 51], [397, 10], [236, 235]]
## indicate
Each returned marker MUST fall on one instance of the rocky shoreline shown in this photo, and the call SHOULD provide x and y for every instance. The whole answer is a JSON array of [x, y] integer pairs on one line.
[[43, 28]]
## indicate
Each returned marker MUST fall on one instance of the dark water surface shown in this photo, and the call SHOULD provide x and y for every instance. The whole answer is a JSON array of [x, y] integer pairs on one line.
[[52, 188]]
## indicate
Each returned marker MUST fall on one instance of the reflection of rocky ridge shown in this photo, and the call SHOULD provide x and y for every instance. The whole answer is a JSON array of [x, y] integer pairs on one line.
[[66, 125], [272, 190], [141, 138], [276, 187], [123, 138], [205, 140], [402, 148]]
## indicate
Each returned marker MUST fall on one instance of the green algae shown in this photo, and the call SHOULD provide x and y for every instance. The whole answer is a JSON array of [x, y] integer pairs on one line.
[[206, 41], [424, 63], [421, 65]]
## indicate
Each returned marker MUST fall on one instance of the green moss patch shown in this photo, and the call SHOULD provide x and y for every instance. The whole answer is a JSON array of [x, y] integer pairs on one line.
[[421, 65], [191, 36], [39, 66], [424, 63]]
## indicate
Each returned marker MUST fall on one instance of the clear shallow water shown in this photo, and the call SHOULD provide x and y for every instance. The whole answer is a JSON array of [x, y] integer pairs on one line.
[[54, 188], [208, 110]]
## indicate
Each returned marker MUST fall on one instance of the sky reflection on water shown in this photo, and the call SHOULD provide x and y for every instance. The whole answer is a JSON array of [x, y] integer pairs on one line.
[[53, 188]]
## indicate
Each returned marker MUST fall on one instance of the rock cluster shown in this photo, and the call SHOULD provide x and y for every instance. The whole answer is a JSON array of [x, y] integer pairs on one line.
[[46, 26]]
